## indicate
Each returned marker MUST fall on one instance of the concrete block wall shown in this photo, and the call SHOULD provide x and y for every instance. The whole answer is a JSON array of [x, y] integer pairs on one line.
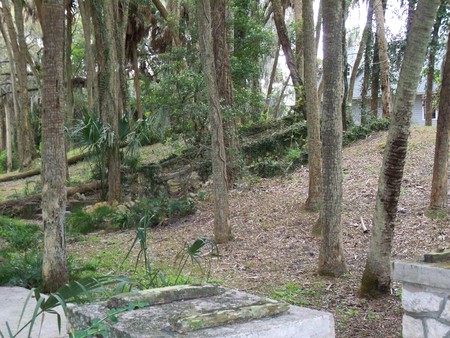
[[425, 299]]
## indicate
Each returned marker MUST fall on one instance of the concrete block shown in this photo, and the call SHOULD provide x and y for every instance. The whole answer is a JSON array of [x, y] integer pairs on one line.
[[154, 321], [445, 315], [436, 329], [419, 301], [412, 327], [422, 273]]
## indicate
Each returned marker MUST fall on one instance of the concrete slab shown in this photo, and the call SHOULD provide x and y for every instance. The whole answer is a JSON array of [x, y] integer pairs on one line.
[[12, 300], [435, 274], [156, 321]]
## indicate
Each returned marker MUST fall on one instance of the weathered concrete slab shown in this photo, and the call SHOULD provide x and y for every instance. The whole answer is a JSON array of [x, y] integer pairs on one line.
[[435, 275], [158, 320], [12, 300]]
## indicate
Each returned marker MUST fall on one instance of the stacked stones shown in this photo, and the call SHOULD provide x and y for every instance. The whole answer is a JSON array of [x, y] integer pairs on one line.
[[425, 299]]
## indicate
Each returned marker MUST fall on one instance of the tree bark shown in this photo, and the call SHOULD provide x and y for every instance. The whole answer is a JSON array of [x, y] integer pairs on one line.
[[318, 26], [439, 183], [224, 86], [331, 256], [8, 130], [25, 148], [278, 17], [109, 87], [298, 17], [367, 72], [222, 228], [54, 266], [68, 70], [359, 55], [376, 278], [170, 22], [375, 83], [384, 59], [433, 49], [91, 87], [312, 109]]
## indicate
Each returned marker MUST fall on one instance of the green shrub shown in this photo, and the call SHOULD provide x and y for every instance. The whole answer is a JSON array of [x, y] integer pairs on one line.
[[359, 132], [267, 168], [180, 208], [21, 256], [82, 222]]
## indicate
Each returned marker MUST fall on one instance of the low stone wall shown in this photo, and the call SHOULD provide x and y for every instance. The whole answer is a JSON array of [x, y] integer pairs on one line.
[[425, 299]]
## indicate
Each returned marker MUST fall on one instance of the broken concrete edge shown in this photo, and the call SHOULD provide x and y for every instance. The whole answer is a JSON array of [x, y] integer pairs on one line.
[[165, 295], [421, 273], [435, 257], [203, 320]]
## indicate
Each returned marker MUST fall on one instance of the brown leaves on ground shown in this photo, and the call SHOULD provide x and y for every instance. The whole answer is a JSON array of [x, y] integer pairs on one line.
[[274, 252]]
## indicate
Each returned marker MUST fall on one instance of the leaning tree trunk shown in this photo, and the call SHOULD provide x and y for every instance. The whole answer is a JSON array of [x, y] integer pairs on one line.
[[439, 184], [222, 228], [359, 55], [377, 277], [312, 110], [54, 265], [283, 36], [331, 256]]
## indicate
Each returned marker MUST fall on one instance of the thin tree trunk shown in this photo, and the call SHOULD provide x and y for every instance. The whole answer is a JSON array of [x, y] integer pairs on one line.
[[276, 109], [8, 131], [431, 67], [273, 73], [312, 109], [375, 83], [439, 183], [359, 55], [54, 265], [137, 86], [384, 59], [318, 26], [331, 256], [25, 148], [287, 50], [377, 275], [222, 228], [224, 86], [68, 70], [170, 19], [298, 17], [367, 73], [85, 13]]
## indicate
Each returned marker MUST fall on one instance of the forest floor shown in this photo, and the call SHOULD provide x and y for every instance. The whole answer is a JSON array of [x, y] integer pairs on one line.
[[274, 253]]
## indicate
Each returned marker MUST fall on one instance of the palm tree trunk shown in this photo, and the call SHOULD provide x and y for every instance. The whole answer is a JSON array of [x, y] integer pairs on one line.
[[377, 275], [54, 265]]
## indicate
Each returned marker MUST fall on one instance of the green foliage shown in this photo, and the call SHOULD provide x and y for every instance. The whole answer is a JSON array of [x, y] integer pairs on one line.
[[267, 168], [359, 132], [21, 256], [15, 164], [82, 222], [177, 208]]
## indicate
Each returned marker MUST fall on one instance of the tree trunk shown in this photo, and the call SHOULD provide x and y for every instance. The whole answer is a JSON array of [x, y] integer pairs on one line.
[[8, 131], [109, 87], [278, 17], [273, 73], [224, 86], [359, 55], [375, 83], [25, 148], [433, 49], [54, 266], [137, 86], [298, 17], [68, 71], [331, 256], [91, 87], [376, 277], [222, 228], [171, 23], [367, 72], [312, 109], [384, 59], [439, 184], [318, 25]]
